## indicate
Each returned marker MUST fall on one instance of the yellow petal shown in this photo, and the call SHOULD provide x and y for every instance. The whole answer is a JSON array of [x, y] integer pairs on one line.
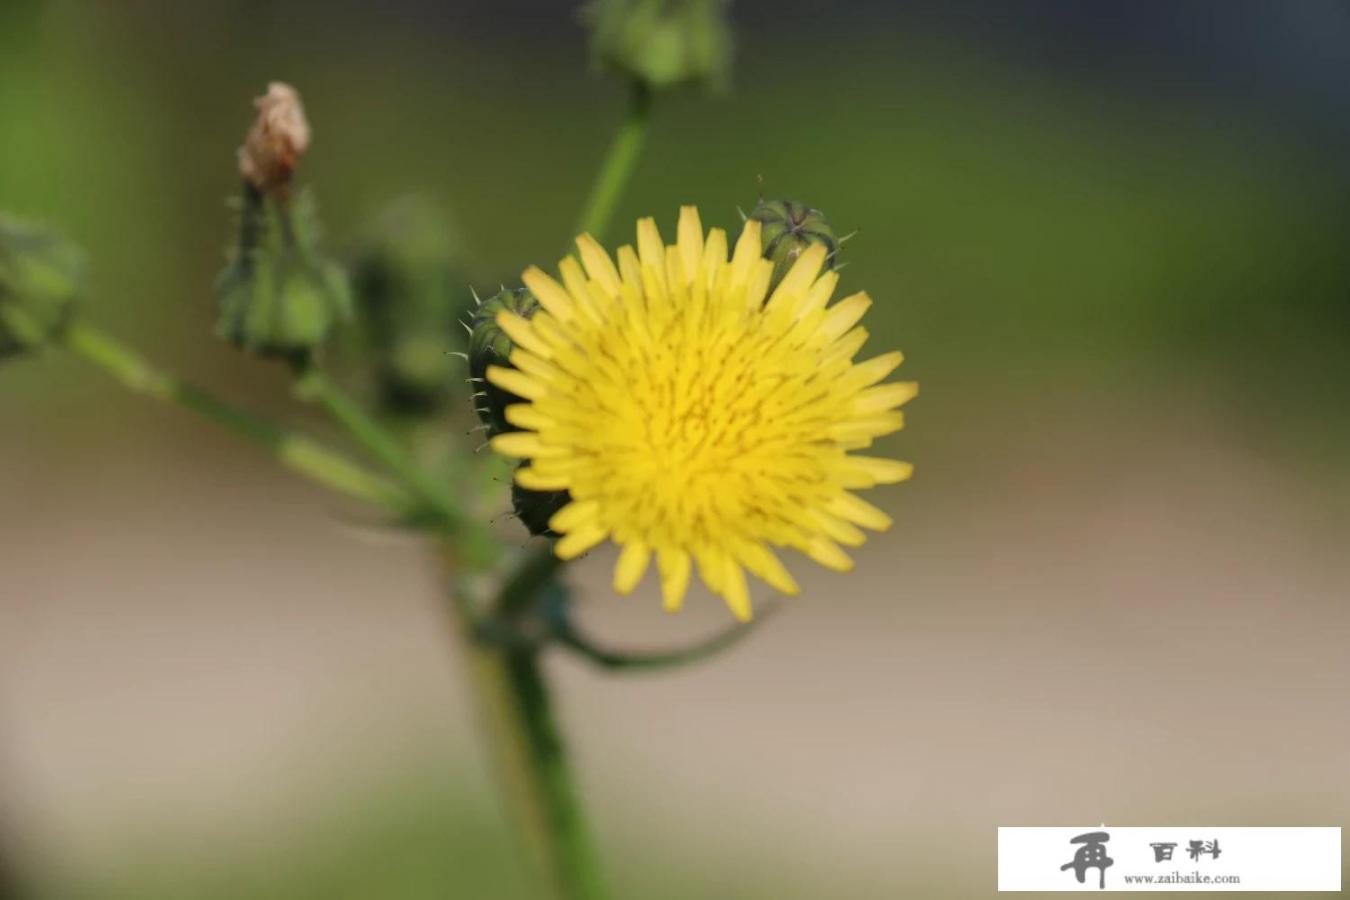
[[710, 568], [866, 374], [578, 542], [521, 333], [598, 264], [521, 444], [689, 237], [532, 478], [868, 427], [828, 554], [574, 515], [674, 565], [761, 274], [714, 256], [885, 397], [631, 566], [630, 267], [578, 288], [534, 366], [760, 560], [735, 592], [859, 511], [844, 315], [551, 295], [878, 470], [846, 347], [797, 282], [819, 295], [747, 252], [836, 529], [525, 415], [651, 249], [515, 381]]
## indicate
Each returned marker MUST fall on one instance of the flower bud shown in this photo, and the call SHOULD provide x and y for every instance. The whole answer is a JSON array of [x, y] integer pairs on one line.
[[788, 228], [278, 296], [40, 276], [277, 141], [411, 295], [489, 345], [662, 43]]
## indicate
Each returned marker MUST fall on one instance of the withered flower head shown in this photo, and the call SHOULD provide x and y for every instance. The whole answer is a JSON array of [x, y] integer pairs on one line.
[[279, 137]]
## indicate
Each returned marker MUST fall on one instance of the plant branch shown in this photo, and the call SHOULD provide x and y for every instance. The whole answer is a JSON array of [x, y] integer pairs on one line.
[[658, 660], [296, 452], [434, 495], [617, 169]]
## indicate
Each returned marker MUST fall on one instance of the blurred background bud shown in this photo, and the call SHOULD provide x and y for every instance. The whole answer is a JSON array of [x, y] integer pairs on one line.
[[788, 229], [278, 295], [411, 293], [40, 275], [490, 346], [662, 43]]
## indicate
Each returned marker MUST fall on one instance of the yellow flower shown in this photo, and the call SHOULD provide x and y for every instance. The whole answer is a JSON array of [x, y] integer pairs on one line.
[[691, 420]]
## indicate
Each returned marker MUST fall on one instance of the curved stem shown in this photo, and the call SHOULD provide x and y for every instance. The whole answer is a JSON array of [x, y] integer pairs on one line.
[[619, 164], [296, 452], [526, 746]]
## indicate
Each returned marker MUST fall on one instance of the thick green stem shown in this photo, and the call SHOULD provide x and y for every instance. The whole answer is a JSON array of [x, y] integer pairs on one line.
[[508, 682], [297, 452], [525, 744], [619, 165]]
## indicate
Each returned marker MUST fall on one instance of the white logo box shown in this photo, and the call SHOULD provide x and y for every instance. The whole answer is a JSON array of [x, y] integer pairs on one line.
[[1247, 859]]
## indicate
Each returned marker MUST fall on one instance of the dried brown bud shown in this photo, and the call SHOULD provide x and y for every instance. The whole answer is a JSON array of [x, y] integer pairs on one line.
[[279, 137]]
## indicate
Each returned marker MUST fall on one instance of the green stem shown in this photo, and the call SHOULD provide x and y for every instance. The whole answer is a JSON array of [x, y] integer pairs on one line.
[[297, 452], [510, 686], [313, 385], [525, 743], [617, 169]]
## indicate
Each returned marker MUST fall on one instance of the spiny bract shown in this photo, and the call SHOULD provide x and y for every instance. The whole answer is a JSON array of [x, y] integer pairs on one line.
[[693, 421]]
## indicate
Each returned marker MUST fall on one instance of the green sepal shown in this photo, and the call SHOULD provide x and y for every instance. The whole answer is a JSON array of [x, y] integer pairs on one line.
[[278, 295]]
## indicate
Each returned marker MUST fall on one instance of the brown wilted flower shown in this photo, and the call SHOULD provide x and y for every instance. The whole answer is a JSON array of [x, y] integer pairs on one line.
[[279, 137]]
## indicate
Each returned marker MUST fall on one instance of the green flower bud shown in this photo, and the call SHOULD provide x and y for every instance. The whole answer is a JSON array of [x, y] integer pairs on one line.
[[40, 276], [788, 228], [490, 346], [411, 295], [278, 296], [662, 43]]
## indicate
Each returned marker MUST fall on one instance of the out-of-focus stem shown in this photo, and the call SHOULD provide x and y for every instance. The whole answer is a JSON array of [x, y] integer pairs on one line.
[[294, 451], [617, 169], [523, 738]]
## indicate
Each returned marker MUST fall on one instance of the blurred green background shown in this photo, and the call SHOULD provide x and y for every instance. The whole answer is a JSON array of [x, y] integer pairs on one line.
[[1110, 238]]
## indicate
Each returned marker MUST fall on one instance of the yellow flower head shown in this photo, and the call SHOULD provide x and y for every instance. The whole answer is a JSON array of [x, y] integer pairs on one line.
[[690, 419]]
